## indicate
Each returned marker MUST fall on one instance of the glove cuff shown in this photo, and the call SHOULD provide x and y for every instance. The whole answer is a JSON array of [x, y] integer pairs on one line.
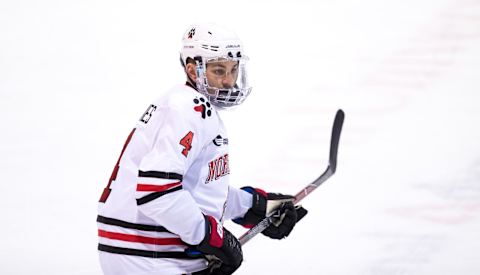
[[257, 212], [213, 233]]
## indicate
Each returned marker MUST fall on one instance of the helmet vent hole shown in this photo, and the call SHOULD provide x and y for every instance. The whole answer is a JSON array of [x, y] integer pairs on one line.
[[210, 47]]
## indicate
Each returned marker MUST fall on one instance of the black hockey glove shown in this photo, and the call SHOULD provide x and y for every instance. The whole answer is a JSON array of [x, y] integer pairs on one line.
[[279, 206], [221, 248]]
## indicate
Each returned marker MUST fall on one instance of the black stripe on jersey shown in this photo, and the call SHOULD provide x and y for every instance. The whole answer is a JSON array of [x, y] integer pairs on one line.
[[155, 195], [124, 224], [160, 175], [146, 253]]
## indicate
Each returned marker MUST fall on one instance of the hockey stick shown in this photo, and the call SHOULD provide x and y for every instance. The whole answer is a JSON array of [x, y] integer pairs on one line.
[[332, 167]]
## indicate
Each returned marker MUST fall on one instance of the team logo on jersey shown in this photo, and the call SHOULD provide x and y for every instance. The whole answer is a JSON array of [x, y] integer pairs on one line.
[[203, 107], [219, 141], [191, 33], [148, 113], [218, 168]]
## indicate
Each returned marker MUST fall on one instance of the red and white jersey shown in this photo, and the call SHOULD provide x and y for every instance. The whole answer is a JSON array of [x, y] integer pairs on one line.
[[173, 169]]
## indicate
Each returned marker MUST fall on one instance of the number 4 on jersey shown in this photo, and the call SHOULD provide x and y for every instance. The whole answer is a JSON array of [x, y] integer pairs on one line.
[[107, 190], [186, 142]]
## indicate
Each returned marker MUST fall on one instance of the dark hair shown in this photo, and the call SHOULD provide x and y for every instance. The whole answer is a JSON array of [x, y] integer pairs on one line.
[[189, 60]]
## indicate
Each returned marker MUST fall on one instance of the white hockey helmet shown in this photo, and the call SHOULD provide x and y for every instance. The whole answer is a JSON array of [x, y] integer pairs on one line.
[[210, 43]]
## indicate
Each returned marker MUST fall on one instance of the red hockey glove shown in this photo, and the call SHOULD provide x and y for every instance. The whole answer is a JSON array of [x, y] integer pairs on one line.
[[223, 245], [279, 206]]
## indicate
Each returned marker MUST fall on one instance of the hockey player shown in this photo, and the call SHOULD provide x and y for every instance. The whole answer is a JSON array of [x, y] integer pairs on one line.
[[163, 209]]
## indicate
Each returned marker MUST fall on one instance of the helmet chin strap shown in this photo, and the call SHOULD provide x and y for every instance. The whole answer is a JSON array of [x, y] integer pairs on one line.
[[191, 83]]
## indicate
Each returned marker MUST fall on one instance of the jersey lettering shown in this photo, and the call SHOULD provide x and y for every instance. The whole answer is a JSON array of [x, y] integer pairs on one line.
[[218, 168], [148, 114]]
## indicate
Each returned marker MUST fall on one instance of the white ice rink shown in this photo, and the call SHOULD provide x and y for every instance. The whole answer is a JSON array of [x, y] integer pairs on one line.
[[76, 75]]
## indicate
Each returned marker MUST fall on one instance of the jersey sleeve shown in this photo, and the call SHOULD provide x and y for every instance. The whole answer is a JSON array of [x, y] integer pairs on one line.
[[239, 202], [159, 192]]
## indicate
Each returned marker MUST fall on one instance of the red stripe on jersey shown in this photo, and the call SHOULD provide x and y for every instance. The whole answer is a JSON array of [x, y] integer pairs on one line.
[[156, 188], [139, 239]]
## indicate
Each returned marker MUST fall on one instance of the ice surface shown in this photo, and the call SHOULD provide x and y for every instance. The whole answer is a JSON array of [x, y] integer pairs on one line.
[[76, 75]]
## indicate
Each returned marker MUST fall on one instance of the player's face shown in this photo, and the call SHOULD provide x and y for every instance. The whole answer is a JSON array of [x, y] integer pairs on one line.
[[222, 73]]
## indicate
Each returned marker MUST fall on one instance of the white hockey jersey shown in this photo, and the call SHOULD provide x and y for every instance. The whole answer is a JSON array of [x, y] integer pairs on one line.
[[173, 169]]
